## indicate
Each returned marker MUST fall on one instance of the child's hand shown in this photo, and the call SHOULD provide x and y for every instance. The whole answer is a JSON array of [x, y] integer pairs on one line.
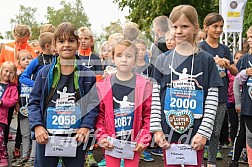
[[139, 148], [82, 135], [105, 74], [41, 134], [17, 108], [227, 63], [198, 142], [104, 143], [220, 61], [160, 140], [238, 110]]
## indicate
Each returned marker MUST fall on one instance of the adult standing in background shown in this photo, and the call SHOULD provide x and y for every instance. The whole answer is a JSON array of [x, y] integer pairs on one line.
[[160, 27]]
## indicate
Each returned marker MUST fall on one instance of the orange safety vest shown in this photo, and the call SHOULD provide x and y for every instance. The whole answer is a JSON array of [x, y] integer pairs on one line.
[[9, 53]]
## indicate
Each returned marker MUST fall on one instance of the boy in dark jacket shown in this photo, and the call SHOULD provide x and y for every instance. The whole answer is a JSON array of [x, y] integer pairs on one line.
[[63, 104]]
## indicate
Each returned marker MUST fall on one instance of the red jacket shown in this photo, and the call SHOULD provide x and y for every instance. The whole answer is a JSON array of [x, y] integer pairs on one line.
[[141, 126], [9, 99]]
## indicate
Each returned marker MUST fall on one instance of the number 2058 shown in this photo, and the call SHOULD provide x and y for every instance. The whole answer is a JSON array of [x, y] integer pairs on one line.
[[64, 119]]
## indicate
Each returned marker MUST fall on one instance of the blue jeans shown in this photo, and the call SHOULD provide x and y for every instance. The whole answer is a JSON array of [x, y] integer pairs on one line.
[[44, 161]]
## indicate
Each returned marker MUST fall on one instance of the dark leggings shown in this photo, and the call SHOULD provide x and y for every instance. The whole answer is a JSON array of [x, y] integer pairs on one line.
[[7, 128], [18, 139], [233, 120], [240, 140], [224, 131]]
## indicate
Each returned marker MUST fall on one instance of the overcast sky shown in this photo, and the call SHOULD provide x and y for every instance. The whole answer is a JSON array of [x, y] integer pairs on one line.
[[99, 12]]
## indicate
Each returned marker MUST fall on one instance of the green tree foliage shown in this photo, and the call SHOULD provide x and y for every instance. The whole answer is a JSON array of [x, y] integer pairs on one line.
[[26, 16], [247, 17], [70, 12], [143, 12], [113, 27]]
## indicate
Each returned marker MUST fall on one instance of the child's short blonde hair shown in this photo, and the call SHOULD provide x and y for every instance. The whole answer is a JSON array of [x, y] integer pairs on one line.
[[140, 41], [162, 23], [102, 46], [21, 52], [130, 31], [86, 31], [45, 38], [21, 31], [126, 43], [13, 66], [114, 38], [47, 28], [168, 35]]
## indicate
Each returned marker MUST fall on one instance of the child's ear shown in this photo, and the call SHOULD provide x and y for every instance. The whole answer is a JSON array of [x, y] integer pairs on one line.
[[205, 28], [196, 29], [47, 45]]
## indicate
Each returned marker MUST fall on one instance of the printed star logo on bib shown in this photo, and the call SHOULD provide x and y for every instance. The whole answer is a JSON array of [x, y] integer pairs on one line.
[[179, 121]]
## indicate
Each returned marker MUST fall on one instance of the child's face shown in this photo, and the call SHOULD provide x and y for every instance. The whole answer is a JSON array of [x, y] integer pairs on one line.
[[215, 30], [124, 58], [184, 30], [24, 60], [21, 42], [201, 36], [105, 52], [249, 39], [85, 41], [237, 57], [170, 42], [7, 74], [141, 51], [66, 48]]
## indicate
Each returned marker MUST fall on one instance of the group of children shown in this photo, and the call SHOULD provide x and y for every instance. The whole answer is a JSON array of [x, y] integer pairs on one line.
[[179, 98]]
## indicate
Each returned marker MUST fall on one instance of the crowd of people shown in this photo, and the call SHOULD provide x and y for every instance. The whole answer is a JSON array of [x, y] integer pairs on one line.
[[185, 99]]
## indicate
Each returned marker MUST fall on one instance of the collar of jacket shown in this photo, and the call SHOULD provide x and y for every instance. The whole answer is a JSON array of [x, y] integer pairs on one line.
[[57, 73], [86, 52]]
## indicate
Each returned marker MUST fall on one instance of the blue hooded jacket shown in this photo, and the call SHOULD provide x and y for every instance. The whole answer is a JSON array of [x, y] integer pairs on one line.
[[43, 84]]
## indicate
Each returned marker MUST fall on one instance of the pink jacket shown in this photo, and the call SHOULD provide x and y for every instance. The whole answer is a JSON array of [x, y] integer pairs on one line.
[[9, 99], [141, 126], [231, 98]]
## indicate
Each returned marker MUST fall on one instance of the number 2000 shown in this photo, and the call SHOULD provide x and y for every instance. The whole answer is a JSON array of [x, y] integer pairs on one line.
[[183, 103]]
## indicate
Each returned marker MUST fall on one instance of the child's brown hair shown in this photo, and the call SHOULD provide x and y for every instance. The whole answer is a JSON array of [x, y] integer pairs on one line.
[[47, 28], [65, 30], [45, 38], [21, 31]]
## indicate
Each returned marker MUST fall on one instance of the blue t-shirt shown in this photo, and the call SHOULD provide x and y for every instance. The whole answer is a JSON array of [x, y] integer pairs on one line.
[[246, 96], [203, 76], [2, 89], [223, 52], [63, 112]]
